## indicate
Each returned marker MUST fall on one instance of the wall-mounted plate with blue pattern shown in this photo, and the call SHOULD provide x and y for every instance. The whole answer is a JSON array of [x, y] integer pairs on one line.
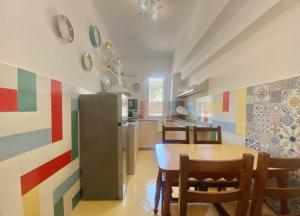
[[95, 36]]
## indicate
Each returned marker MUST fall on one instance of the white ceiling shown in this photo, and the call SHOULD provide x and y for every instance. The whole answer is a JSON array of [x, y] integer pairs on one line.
[[133, 37]]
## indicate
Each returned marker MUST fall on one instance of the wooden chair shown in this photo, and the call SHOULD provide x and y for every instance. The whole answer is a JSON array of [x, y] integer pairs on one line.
[[241, 168], [170, 141], [205, 131], [176, 129], [268, 167], [209, 131]]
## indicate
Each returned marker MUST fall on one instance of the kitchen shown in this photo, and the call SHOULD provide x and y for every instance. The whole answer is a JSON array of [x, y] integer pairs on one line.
[[102, 103]]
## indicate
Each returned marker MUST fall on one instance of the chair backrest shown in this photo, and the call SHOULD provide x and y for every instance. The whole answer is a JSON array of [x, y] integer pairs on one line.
[[215, 135], [268, 167], [176, 129], [241, 169]]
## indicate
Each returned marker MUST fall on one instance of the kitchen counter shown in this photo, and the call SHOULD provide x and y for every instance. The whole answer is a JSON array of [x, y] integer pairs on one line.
[[190, 124]]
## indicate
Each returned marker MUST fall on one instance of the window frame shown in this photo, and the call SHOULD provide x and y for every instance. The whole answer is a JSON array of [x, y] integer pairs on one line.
[[165, 77]]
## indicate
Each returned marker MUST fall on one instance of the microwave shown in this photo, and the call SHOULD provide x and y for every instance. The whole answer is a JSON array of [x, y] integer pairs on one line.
[[132, 104]]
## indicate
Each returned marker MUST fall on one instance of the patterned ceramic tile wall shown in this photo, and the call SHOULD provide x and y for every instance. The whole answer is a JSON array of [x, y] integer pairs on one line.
[[273, 117], [39, 162], [273, 125]]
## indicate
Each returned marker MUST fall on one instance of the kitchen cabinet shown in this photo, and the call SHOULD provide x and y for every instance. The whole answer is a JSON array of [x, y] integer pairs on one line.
[[149, 133]]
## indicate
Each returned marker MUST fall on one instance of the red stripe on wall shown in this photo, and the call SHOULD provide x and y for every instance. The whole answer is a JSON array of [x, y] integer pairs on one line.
[[226, 101], [206, 119], [33, 178], [8, 100], [56, 108], [142, 109]]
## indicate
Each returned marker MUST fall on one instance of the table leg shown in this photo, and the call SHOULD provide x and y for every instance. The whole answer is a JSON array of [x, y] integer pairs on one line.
[[157, 191], [167, 197]]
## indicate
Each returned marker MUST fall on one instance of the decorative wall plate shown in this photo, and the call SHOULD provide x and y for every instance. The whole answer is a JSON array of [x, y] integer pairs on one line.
[[65, 28], [108, 83], [95, 36], [87, 61], [136, 87]]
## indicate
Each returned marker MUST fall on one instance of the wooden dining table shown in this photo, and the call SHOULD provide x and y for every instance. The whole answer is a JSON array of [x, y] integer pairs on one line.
[[167, 157]]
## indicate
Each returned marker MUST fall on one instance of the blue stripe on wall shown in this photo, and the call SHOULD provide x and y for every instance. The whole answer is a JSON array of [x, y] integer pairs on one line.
[[59, 192], [74, 104], [13, 145], [226, 126]]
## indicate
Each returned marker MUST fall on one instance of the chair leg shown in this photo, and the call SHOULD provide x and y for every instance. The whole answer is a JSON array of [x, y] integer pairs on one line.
[[167, 198], [162, 198], [157, 191], [282, 182], [221, 210]]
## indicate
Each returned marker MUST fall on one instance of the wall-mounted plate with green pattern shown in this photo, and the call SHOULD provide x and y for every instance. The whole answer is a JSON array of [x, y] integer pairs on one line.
[[95, 36], [87, 61]]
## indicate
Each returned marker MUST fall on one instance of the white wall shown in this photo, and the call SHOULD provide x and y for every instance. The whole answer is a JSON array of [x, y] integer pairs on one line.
[[267, 50], [135, 70], [202, 17], [28, 39]]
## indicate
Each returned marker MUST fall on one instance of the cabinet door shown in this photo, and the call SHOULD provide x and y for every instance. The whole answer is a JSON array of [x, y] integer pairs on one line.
[[149, 135]]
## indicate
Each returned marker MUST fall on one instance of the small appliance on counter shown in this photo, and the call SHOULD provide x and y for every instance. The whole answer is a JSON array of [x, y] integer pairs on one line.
[[133, 112]]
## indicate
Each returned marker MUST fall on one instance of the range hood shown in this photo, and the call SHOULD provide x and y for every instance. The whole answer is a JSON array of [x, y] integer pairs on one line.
[[202, 87]]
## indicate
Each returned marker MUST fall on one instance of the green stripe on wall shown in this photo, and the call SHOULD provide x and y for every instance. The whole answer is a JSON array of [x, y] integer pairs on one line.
[[213, 135], [59, 192], [59, 208], [26, 91], [74, 120], [74, 104], [76, 199]]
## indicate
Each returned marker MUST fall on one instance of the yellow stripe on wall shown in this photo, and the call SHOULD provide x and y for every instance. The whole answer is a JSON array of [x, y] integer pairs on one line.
[[241, 100], [31, 203], [217, 107]]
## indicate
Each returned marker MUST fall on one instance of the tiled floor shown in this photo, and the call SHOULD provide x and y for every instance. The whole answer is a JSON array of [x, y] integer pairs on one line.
[[139, 199]]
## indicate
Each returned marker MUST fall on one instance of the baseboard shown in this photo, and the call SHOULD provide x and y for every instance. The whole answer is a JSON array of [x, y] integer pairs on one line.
[[143, 148]]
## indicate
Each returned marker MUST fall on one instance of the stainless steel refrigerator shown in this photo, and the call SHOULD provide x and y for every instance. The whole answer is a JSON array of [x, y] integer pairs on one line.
[[102, 146]]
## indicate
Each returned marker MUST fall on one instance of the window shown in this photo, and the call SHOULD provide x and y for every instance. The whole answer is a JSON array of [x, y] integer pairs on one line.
[[156, 95]]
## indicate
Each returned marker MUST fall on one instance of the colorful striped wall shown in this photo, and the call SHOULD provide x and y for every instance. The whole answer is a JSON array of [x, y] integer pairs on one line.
[[39, 161], [226, 109]]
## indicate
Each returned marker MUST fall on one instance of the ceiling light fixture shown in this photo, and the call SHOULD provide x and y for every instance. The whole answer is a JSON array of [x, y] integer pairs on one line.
[[150, 8]]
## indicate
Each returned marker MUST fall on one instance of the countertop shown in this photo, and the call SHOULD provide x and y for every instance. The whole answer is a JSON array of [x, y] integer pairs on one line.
[[191, 124], [181, 122]]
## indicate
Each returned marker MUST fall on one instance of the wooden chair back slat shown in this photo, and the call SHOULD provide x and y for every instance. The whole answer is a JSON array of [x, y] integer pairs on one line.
[[276, 192], [206, 130], [268, 167], [213, 197], [287, 163], [175, 129], [243, 167], [230, 166]]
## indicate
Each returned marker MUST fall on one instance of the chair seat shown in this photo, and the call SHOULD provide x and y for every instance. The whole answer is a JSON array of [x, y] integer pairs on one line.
[[231, 207], [207, 209], [196, 209]]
